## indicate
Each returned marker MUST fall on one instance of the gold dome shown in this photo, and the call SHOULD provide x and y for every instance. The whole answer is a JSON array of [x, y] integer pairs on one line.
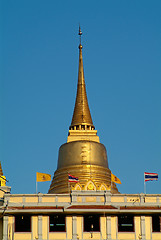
[[83, 156], [86, 160]]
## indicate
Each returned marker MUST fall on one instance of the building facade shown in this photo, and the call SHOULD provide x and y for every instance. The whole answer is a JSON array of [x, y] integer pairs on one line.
[[90, 206], [80, 215]]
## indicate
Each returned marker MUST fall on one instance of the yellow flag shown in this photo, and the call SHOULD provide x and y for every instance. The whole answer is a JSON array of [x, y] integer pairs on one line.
[[43, 177], [2, 181], [115, 179]]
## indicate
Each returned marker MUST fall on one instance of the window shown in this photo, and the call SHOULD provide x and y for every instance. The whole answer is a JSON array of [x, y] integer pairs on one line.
[[22, 223], [91, 223], [156, 223], [57, 223], [126, 223]]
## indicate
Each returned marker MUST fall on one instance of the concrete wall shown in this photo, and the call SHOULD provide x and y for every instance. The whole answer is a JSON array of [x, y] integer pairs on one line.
[[74, 206], [74, 230]]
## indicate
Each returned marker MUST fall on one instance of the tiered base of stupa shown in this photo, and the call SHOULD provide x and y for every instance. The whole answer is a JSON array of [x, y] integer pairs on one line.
[[91, 177]]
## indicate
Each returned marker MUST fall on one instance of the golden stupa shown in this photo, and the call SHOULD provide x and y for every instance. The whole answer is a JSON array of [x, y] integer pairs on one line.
[[1, 172], [83, 156]]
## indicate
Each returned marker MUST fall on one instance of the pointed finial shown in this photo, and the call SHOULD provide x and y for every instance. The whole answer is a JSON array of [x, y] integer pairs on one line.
[[81, 115], [1, 172], [80, 33]]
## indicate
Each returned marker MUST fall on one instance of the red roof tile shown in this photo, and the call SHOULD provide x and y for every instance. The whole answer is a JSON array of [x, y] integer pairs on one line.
[[92, 207]]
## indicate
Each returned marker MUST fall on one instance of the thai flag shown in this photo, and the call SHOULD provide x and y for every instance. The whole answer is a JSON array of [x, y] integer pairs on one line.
[[72, 178], [150, 176]]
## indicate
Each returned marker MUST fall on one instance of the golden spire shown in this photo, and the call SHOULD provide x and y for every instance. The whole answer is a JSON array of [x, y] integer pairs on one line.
[[1, 172], [83, 155], [81, 115]]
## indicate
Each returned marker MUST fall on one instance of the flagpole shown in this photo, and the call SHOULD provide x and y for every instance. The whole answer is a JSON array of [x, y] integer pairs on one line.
[[111, 182], [68, 186], [144, 185], [68, 183], [36, 183]]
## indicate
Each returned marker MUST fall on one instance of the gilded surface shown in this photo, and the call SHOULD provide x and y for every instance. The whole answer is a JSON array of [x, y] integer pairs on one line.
[[97, 174], [1, 172], [82, 156], [76, 135], [82, 152], [81, 113]]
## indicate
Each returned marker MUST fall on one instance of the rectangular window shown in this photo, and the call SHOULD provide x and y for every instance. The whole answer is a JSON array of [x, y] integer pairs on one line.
[[156, 223], [22, 223], [126, 223], [57, 223], [91, 223]]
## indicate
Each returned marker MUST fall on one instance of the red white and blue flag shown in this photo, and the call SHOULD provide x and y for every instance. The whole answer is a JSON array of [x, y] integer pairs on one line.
[[72, 178], [150, 176]]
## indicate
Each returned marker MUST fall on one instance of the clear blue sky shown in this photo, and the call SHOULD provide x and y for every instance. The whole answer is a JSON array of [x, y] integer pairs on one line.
[[38, 78]]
